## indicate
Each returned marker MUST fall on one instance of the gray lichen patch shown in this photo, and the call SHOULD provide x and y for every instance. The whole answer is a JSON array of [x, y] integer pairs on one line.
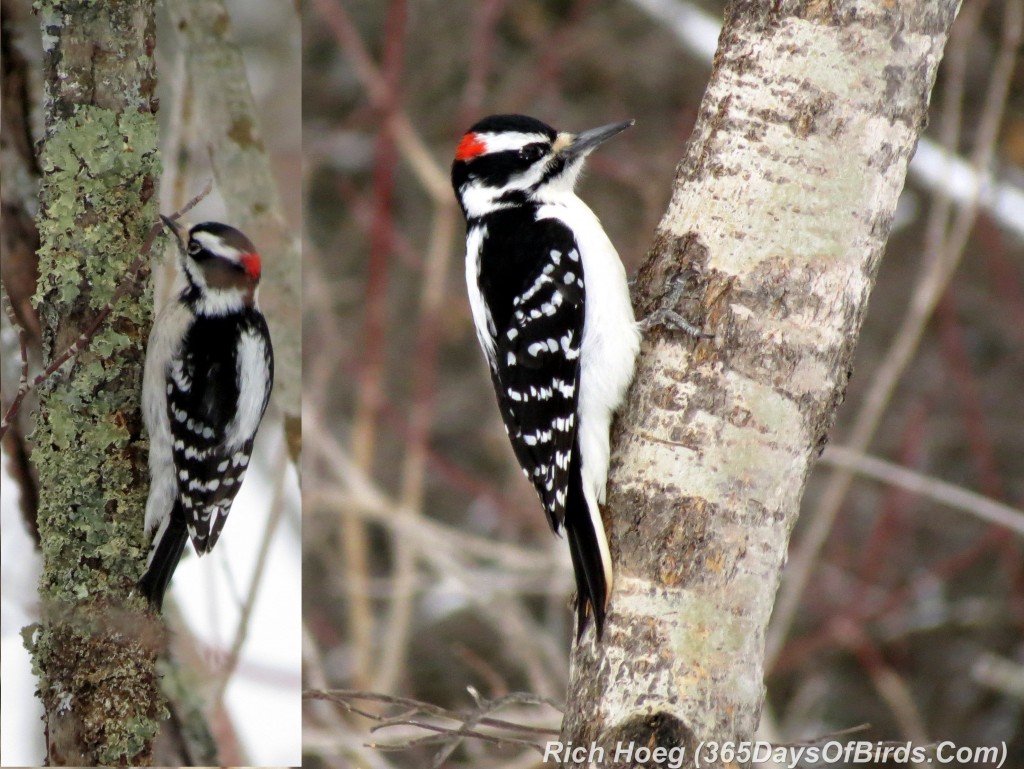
[[100, 688], [98, 171], [99, 160]]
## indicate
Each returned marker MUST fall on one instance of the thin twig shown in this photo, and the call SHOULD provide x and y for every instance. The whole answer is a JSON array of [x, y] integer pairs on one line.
[[483, 24], [358, 490], [430, 174], [472, 723], [420, 419], [425, 716], [347, 696], [954, 347], [957, 497], [365, 422], [469, 727], [539, 653], [316, 675], [892, 689]]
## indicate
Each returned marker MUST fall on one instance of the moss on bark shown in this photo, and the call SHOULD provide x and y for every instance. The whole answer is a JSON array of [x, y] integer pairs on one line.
[[100, 161]]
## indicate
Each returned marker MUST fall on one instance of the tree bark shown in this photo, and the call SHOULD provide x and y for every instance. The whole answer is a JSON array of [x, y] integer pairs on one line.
[[99, 159], [779, 215]]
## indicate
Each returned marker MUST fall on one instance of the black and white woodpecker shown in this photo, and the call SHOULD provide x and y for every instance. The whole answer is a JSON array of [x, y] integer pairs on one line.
[[551, 307], [208, 376]]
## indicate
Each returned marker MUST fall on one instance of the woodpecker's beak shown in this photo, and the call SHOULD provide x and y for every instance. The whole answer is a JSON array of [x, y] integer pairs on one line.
[[582, 144], [180, 231]]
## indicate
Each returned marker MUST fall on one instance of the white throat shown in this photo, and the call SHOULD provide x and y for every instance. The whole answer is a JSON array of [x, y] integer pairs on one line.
[[479, 199]]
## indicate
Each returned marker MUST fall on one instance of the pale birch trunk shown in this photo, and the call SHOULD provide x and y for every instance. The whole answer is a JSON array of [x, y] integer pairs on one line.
[[778, 219]]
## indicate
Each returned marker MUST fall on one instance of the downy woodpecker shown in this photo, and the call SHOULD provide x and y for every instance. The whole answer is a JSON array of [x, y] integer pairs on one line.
[[209, 372], [552, 312]]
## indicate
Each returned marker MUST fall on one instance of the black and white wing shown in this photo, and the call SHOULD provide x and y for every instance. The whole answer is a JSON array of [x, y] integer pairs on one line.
[[533, 287], [217, 393]]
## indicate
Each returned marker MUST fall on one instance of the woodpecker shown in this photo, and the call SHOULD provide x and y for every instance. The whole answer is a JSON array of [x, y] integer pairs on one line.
[[551, 306], [207, 381]]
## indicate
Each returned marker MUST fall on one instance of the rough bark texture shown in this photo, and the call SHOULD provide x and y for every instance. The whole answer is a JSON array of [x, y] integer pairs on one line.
[[779, 216], [99, 159]]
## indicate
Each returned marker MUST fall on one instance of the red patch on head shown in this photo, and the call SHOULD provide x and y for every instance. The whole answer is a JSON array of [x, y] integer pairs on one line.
[[470, 146], [252, 264]]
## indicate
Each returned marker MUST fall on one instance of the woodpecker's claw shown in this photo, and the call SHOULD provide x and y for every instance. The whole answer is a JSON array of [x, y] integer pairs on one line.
[[667, 317]]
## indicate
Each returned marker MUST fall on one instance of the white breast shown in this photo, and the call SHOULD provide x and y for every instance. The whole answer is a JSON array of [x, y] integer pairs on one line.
[[482, 319], [253, 385]]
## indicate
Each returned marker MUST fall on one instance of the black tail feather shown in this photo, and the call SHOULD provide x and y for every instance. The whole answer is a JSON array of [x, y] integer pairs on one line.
[[165, 559], [591, 587]]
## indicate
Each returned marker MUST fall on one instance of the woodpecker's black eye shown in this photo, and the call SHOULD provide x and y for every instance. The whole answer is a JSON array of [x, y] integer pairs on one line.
[[532, 152], [194, 248]]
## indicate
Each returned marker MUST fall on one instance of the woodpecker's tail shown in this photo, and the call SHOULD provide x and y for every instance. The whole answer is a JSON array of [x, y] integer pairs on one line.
[[586, 551], [165, 558]]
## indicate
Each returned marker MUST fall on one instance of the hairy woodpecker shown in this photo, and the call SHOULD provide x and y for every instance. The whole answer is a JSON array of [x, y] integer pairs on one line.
[[551, 307], [209, 372]]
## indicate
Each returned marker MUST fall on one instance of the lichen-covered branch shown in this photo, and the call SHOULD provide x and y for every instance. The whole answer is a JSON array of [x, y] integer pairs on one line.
[[778, 219], [99, 160]]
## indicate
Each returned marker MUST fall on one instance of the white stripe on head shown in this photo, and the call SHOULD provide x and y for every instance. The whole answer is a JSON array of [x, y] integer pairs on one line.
[[479, 198], [215, 245], [510, 140]]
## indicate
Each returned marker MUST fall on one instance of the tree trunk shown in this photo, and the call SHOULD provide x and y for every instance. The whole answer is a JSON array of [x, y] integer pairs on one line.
[[778, 219], [97, 674]]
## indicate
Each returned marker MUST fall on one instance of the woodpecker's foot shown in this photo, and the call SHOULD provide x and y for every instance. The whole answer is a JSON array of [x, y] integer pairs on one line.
[[667, 317]]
